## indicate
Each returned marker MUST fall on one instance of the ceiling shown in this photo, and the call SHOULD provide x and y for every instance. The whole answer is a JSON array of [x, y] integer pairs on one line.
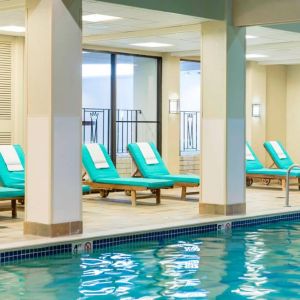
[[269, 46]]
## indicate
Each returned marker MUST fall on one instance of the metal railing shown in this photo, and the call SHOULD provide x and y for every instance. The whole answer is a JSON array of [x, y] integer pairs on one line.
[[287, 184], [96, 127], [189, 131]]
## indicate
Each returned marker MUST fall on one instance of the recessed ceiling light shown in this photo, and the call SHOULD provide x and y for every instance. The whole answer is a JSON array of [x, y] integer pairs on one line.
[[152, 45], [249, 37], [255, 55], [13, 28], [98, 18]]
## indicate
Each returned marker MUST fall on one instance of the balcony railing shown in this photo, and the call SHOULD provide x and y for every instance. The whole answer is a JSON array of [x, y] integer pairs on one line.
[[189, 131], [96, 127]]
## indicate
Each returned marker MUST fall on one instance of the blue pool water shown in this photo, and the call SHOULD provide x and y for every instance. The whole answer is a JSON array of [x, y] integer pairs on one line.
[[247, 263]]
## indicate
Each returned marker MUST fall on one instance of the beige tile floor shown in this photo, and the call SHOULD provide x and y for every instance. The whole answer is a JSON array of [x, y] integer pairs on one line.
[[104, 217]]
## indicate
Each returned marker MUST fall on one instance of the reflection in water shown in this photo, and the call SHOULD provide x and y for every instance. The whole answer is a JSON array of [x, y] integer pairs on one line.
[[245, 264]]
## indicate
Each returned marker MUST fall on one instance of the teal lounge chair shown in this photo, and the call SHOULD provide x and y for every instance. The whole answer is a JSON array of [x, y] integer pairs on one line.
[[107, 179], [281, 158], [278, 154], [255, 169], [16, 179], [12, 195], [159, 170], [13, 179]]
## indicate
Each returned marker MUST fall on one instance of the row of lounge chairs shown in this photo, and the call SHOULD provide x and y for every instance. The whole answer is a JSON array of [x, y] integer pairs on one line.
[[103, 175], [153, 173], [281, 159]]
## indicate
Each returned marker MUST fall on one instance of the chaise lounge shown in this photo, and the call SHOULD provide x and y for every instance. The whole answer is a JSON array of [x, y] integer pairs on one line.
[[150, 165], [255, 169], [104, 176], [280, 157], [12, 168], [278, 154]]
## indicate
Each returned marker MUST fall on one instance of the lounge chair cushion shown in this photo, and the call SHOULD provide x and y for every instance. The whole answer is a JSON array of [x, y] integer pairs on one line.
[[250, 163], [145, 182], [9, 193], [281, 163], [86, 189], [158, 171], [8, 178], [184, 178], [91, 169], [274, 172], [148, 171], [11, 158]]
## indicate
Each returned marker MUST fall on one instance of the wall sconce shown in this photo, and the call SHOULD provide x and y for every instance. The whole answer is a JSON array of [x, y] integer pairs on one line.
[[174, 104], [256, 110]]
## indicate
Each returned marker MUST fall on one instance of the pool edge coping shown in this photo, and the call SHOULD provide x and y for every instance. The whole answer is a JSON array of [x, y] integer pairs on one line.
[[65, 244]]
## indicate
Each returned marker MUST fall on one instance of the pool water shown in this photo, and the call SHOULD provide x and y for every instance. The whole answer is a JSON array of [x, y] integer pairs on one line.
[[249, 263]]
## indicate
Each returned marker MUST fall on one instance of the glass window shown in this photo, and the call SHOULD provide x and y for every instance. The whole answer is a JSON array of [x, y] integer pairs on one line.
[[190, 77], [136, 100], [96, 98], [135, 95]]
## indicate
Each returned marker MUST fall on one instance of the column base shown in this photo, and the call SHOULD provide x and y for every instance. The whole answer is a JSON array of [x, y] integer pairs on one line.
[[53, 230], [219, 209]]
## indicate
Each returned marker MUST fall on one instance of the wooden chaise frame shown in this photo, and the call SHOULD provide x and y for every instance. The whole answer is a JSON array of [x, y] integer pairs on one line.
[[182, 185], [106, 188], [13, 205], [267, 179]]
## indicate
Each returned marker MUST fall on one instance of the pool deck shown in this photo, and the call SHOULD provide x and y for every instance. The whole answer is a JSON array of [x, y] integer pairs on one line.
[[115, 216]]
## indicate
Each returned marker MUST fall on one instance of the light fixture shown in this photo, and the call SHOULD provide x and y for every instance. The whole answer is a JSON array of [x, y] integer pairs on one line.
[[174, 104], [151, 45], [256, 110], [94, 18], [13, 28], [255, 55]]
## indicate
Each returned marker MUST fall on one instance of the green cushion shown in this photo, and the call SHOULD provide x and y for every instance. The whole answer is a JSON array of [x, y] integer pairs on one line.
[[145, 182], [92, 171], [274, 172], [10, 193], [283, 163], [10, 178], [181, 178], [159, 170], [86, 189], [20, 186], [148, 171], [253, 164]]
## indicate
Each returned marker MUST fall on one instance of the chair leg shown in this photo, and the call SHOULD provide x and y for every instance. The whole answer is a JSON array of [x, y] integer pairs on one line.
[[14, 208], [183, 193], [299, 184], [283, 182], [133, 198], [157, 195]]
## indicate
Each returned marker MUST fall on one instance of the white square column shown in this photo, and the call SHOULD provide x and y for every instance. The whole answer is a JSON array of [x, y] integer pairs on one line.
[[223, 119], [53, 145]]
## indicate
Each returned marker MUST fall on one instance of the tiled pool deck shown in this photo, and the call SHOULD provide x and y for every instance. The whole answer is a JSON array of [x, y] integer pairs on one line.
[[104, 218]]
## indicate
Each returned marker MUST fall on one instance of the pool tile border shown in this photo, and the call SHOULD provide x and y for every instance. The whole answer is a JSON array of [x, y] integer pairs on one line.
[[66, 248]]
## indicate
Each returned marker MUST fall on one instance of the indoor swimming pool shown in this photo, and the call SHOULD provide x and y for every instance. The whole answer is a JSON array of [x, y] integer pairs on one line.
[[247, 263]]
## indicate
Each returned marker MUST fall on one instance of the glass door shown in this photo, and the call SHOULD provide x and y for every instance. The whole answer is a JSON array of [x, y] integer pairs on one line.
[[137, 118], [121, 99], [96, 98]]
